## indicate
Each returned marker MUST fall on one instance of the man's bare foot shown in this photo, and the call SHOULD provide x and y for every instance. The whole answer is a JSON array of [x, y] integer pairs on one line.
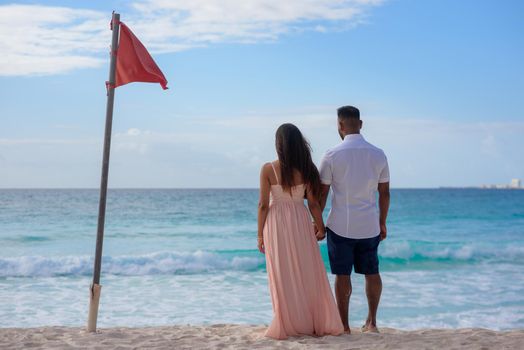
[[347, 330], [369, 328]]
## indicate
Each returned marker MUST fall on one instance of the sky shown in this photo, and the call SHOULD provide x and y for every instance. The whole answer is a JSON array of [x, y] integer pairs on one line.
[[440, 87]]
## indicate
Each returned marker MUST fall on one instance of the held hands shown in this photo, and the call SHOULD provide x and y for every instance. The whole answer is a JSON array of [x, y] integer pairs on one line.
[[320, 234], [383, 232], [260, 244]]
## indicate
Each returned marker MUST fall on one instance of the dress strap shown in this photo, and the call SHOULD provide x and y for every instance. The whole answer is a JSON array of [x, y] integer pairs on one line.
[[278, 183]]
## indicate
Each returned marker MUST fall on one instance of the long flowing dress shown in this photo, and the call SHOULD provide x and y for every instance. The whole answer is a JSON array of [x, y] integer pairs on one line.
[[303, 303]]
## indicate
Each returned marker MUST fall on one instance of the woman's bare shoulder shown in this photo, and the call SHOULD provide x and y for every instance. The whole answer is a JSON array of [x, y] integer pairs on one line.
[[265, 169], [266, 166], [269, 165]]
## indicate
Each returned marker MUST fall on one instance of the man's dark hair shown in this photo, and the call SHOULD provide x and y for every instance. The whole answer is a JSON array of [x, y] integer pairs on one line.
[[348, 112]]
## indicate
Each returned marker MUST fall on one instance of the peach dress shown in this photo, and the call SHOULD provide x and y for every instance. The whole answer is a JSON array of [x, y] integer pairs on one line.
[[302, 300]]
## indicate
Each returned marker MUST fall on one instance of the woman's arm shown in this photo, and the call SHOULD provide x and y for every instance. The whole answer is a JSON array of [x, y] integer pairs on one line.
[[263, 205], [316, 211]]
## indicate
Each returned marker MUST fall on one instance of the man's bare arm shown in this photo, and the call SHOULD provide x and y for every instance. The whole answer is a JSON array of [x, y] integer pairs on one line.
[[324, 191], [383, 205]]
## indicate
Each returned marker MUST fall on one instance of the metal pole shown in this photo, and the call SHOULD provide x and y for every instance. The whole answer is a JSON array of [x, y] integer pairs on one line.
[[96, 287]]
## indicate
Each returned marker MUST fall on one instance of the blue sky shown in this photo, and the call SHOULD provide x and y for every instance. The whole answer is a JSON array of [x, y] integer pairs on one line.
[[440, 85]]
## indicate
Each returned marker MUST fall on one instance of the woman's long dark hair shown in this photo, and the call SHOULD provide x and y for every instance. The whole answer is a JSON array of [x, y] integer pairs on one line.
[[294, 153]]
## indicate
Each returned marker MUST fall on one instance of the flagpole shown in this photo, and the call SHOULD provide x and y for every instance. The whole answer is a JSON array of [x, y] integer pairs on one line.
[[95, 287]]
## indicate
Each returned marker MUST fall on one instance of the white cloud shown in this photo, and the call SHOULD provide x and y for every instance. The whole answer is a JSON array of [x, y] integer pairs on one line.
[[208, 21], [38, 141], [37, 39], [133, 132], [489, 145], [422, 153], [40, 40]]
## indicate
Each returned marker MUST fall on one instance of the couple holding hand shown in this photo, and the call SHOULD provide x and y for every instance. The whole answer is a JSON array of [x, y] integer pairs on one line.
[[354, 170]]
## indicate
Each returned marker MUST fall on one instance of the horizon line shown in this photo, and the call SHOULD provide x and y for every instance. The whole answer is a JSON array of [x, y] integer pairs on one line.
[[216, 188]]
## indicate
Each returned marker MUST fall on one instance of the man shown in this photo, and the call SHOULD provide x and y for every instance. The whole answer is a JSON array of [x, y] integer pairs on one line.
[[355, 170]]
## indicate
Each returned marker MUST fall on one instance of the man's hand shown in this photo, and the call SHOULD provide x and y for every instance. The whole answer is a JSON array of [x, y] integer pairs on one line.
[[383, 232], [261, 246]]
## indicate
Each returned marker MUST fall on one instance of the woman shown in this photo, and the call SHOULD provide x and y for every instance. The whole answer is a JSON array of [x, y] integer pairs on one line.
[[299, 288]]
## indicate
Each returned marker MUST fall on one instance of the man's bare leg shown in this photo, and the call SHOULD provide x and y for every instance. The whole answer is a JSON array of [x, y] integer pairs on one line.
[[343, 292], [373, 292]]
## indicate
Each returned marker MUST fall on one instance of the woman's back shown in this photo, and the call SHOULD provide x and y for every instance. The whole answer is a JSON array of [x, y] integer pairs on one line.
[[278, 194]]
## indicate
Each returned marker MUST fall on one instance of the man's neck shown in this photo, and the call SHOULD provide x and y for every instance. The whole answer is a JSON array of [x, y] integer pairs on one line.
[[351, 133]]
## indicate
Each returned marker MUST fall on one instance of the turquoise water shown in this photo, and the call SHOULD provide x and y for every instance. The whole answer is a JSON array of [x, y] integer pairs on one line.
[[453, 258]]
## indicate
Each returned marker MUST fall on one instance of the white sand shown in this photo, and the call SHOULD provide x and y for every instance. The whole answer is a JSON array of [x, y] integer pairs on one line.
[[251, 337]]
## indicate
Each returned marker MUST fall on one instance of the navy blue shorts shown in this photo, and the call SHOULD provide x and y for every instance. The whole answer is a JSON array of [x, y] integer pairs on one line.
[[344, 253]]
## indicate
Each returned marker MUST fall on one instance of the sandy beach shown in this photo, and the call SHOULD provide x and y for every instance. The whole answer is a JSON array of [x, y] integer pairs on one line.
[[228, 336]]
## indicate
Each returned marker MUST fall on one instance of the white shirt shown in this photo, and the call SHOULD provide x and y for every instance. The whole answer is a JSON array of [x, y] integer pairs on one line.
[[354, 169]]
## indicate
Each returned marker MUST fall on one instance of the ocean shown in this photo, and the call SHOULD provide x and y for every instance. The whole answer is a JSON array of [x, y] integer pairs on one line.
[[453, 258]]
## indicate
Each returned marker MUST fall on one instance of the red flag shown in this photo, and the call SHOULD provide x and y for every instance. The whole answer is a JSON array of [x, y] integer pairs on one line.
[[134, 63]]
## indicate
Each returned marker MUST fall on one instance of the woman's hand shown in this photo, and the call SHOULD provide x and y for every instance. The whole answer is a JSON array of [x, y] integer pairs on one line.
[[261, 246]]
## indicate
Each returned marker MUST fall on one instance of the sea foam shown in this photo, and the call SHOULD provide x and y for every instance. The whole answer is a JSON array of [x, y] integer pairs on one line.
[[391, 254], [149, 264], [469, 252]]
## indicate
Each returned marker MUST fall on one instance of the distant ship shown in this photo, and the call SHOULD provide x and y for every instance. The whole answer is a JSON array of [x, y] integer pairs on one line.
[[515, 184]]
